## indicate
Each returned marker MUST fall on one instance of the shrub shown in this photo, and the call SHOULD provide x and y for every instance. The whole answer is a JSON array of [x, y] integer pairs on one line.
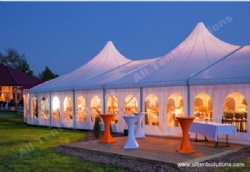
[[97, 126], [12, 103]]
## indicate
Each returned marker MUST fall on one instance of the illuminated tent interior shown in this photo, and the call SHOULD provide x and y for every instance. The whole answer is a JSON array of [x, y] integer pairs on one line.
[[201, 77]]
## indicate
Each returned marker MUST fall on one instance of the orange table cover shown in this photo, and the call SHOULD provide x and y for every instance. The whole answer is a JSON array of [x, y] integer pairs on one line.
[[107, 137], [185, 146]]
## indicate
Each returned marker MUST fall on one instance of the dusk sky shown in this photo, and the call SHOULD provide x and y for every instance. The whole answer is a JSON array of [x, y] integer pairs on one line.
[[66, 35]]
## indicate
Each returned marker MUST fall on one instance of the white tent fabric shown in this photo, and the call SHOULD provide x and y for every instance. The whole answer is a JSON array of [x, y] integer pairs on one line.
[[234, 69], [100, 81], [108, 59], [199, 50], [110, 69]]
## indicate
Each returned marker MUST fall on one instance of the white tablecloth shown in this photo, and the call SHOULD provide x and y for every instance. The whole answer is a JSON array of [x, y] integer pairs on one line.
[[213, 129]]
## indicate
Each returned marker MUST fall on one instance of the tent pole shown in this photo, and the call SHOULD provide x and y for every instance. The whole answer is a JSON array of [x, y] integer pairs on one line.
[[104, 102], [50, 110], [188, 97], [74, 109], [141, 97], [30, 99]]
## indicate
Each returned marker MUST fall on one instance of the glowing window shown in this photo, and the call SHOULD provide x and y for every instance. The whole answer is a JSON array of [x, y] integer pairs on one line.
[[81, 109], [203, 107], [68, 108], [112, 107], [55, 108], [235, 111], [45, 108], [152, 109], [175, 108], [26, 105], [34, 108], [95, 106], [131, 105]]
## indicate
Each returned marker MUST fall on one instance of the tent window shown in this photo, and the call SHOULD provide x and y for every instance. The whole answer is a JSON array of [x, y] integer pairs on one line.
[[95, 107], [34, 108], [131, 105], [175, 108], [55, 108], [152, 109], [45, 108], [81, 109], [112, 107], [68, 108], [26, 105], [203, 107], [235, 111]]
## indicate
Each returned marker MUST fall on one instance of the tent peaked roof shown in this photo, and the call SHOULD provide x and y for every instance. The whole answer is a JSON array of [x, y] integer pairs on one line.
[[13, 77], [199, 50], [201, 36], [108, 59]]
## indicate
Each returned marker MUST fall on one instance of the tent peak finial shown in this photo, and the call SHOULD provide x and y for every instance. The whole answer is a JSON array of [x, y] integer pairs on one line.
[[110, 43], [201, 24]]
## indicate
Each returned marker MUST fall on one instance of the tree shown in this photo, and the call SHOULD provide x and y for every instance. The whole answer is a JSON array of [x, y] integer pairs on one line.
[[47, 74], [16, 61]]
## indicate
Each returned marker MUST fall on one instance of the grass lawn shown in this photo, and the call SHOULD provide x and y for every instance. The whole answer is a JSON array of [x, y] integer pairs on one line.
[[27, 148]]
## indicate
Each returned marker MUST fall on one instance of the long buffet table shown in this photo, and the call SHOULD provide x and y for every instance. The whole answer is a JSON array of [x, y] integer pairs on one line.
[[213, 129]]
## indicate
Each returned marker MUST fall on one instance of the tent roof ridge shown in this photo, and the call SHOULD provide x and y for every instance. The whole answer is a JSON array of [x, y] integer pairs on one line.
[[141, 67], [107, 71], [226, 56]]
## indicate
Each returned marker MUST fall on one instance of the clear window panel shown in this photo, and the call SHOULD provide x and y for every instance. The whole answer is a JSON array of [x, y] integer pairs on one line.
[[45, 108], [175, 108], [95, 105], [81, 109], [55, 108], [34, 108], [235, 111], [131, 105], [203, 107], [152, 110], [112, 107], [68, 108]]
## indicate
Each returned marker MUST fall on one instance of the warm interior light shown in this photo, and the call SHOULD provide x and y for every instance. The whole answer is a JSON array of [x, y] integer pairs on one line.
[[178, 112], [55, 103]]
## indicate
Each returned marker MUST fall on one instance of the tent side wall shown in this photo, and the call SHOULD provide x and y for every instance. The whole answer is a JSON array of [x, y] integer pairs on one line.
[[163, 94], [218, 94], [122, 95], [26, 106], [88, 97]]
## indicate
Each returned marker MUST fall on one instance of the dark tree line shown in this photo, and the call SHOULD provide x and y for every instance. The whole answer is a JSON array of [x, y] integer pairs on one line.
[[18, 61], [47, 74]]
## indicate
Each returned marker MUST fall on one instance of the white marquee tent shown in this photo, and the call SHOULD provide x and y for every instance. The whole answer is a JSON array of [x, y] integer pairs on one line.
[[107, 60], [202, 77]]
